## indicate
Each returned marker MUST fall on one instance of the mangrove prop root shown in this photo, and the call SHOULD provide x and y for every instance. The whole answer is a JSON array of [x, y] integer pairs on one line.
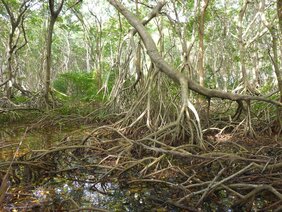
[[196, 172]]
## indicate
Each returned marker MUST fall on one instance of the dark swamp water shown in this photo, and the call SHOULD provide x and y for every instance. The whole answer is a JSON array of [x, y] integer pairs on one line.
[[80, 189], [73, 190]]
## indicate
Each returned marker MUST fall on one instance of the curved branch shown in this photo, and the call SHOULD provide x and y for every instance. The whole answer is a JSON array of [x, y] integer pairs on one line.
[[4, 83], [55, 13], [167, 68], [154, 13], [212, 93], [24, 35]]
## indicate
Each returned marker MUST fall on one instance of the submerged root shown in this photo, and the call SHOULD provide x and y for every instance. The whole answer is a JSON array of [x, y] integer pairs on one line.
[[193, 174]]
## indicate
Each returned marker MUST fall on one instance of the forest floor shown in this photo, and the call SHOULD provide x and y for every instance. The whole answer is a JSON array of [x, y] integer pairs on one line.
[[80, 163]]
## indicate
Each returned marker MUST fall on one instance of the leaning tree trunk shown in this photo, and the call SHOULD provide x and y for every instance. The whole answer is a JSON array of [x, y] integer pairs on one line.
[[161, 64], [169, 71], [178, 77]]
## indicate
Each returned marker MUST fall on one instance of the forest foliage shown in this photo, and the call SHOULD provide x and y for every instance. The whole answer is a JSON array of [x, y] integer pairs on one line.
[[164, 87]]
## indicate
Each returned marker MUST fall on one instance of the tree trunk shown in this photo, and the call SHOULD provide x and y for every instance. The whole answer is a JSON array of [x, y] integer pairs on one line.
[[279, 12], [242, 45], [16, 22], [201, 42], [49, 59], [279, 77], [275, 59], [169, 71], [9, 65], [53, 17]]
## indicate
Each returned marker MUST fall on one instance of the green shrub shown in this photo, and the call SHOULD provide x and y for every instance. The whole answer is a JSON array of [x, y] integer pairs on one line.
[[20, 99], [78, 85]]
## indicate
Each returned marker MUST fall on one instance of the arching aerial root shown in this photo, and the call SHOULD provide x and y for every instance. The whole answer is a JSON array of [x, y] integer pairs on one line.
[[195, 175]]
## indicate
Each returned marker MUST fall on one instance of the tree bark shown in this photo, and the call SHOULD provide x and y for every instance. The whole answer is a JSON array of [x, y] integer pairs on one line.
[[16, 22], [276, 38], [49, 59], [275, 60], [279, 12], [53, 17], [242, 45], [201, 28]]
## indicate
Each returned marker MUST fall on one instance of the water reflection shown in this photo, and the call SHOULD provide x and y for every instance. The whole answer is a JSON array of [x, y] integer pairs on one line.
[[35, 140], [59, 193], [108, 196], [77, 189]]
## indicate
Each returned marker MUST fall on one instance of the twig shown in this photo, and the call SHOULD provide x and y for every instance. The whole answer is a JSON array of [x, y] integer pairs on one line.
[[209, 188], [218, 183]]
